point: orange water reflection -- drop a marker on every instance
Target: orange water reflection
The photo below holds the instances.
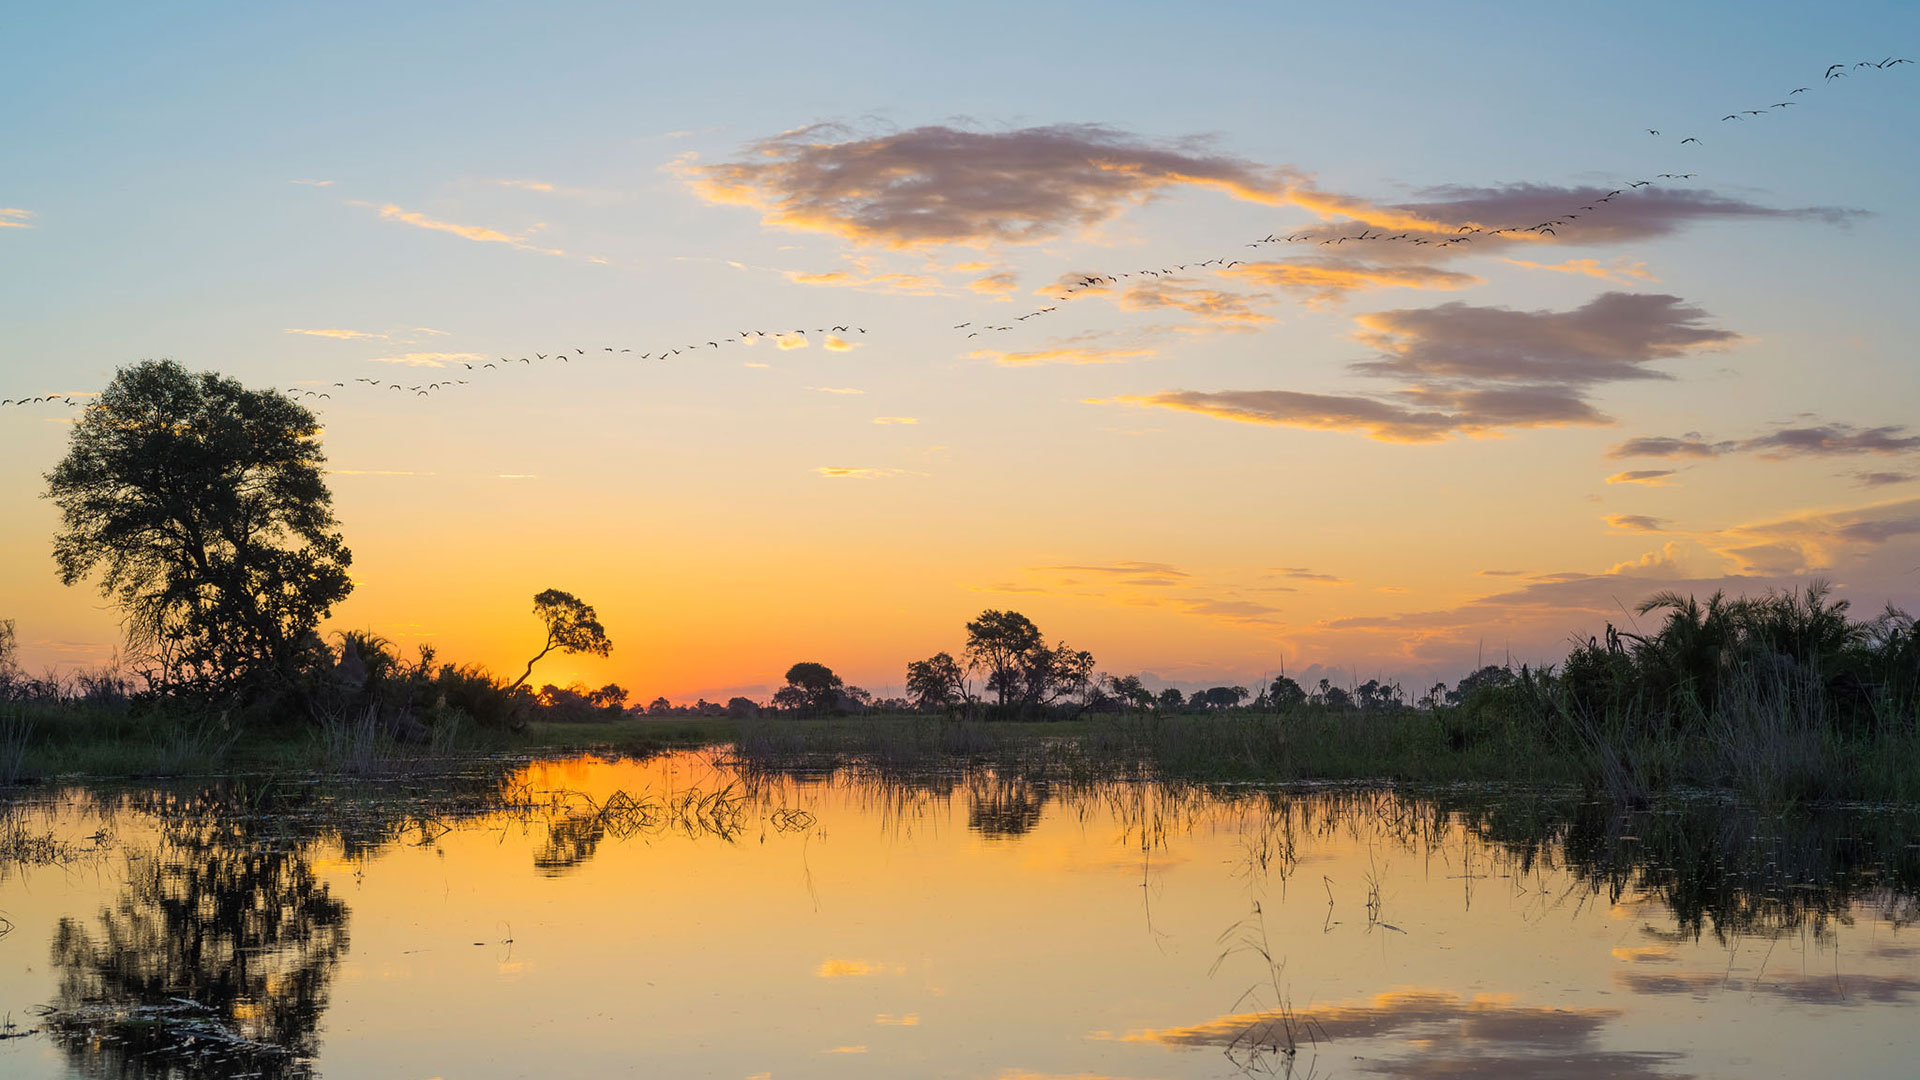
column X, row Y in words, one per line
column 674, row 917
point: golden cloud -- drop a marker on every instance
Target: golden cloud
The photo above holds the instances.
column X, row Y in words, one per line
column 476, row 233
column 12, row 217
column 1621, row 270
column 1328, row 280
column 1075, row 354
column 835, row 343
column 346, row 335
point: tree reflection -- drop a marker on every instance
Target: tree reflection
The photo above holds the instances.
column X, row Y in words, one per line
column 215, row 959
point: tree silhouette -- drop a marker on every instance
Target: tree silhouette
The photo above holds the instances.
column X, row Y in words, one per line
column 937, row 682
column 811, row 685
column 572, row 627
column 203, row 508
column 999, row 641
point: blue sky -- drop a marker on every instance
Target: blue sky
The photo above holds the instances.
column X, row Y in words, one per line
column 157, row 161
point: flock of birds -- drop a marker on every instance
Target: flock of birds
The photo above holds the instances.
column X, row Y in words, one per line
column 1437, row 236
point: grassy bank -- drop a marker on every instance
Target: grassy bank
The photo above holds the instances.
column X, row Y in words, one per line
column 1765, row 748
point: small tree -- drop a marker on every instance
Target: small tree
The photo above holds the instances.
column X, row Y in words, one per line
column 1285, row 695
column 1171, row 699
column 572, row 627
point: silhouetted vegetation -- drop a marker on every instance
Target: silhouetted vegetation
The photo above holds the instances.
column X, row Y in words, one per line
column 202, row 508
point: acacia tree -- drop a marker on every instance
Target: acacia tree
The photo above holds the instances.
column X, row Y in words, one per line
column 203, row 508
column 1021, row 670
column 572, row 627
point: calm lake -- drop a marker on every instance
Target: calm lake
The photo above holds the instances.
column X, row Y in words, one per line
column 673, row 918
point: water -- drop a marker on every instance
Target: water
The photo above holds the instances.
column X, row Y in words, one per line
column 670, row 918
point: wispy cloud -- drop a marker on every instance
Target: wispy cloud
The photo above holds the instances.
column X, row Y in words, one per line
column 1637, row 523
column 1883, row 479
column 1648, row 477
column 835, row 343
column 12, row 217
column 1301, row 573
column 1624, row 271
column 335, row 332
column 857, row 472
column 1070, row 354
column 1215, row 307
column 477, row 233
column 896, row 419
column 836, row 389
column 1324, row 281
column 313, row 183
column 427, row 359
column 1001, row 284
column 791, row 341
column 1827, row 439
column 524, row 185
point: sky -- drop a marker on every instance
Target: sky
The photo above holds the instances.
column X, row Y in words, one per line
column 1220, row 343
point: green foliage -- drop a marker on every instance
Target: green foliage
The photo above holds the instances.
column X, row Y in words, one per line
column 203, row 510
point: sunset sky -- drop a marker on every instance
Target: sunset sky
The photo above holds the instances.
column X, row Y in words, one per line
column 1352, row 459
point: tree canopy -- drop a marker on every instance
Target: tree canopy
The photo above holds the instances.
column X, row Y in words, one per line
column 572, row 627
column 203, row 508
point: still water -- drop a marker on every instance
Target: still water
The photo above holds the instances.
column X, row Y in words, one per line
column 674, row 918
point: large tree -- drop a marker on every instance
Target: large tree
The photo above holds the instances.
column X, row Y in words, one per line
column 1026, row 675
column 203, row 507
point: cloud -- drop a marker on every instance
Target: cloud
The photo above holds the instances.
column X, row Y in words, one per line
column 1477, row 370
column 1216, row 307
column 1649, row 477
column 1329, row 280
column 836, row 389
column 1665, row 447
column 1462, row 413
column 832, row 968
column 896, row 419
column 1824, row 439
column 1814, row 539
column 857, row 472
column 1882, row 479
column 1622, row 270
column 345, row 335
column 1301, row 573
column 476, row 233
column 525, row 185
column 427, row 359
column 1612, row 337
column 1634, row 214
column 12, row 217
column 376, row 472
column 999, row 284
column 865, row 278
column 790, row 341
column 1124, row 573
column 313, row 183
column 940, row 185
column 1637, row 523
column 839, row 344
column 1071, row 354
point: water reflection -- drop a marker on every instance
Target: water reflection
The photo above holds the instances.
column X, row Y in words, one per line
column 219, row 945
column 1450, row 1035
column 215, row 959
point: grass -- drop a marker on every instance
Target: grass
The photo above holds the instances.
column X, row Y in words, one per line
column 1765, row 741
